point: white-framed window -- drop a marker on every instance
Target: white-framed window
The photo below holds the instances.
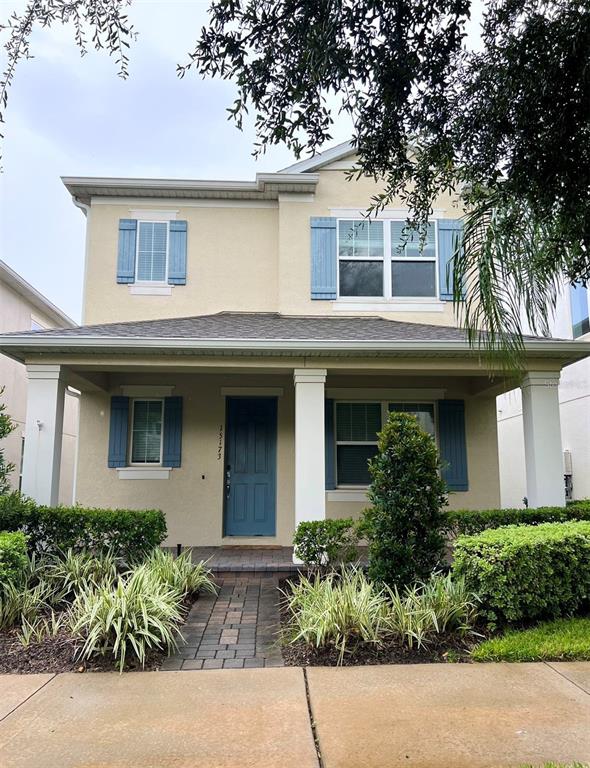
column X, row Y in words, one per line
column 356, row 428
column 147, row 419
column 372, row 262
column 151, row 261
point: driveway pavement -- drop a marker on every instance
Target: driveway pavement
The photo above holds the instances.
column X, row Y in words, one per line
column 422, row 716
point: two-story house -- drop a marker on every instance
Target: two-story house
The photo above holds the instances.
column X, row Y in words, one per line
column 23, row 308
column 243, row 343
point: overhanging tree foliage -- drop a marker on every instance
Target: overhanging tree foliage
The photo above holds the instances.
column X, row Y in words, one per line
column 506, row 126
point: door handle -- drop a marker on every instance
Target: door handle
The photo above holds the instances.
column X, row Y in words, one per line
column 227, row 481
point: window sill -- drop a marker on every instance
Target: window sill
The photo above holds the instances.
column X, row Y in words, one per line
column 386, row 305
column 347, row 494
column 144, row 473
column 162, row 289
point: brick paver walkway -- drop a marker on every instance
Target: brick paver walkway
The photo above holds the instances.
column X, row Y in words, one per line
column 235, row 629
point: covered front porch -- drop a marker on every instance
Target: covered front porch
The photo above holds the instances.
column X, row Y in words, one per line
column 238, row 440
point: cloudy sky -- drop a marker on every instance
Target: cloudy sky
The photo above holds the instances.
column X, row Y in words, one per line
column 69, row 115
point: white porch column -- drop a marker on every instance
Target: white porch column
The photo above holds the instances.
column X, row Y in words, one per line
column 542, row 439
column 310, row 477
column 43, row 432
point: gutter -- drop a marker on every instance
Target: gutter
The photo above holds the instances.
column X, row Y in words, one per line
column 570, row 350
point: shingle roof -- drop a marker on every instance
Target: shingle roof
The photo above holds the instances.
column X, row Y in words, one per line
column 264, row 326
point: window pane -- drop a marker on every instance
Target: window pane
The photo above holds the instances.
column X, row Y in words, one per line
column 579, row 305
column 360, row 239
column 151, row 252
column 357, row 422
column 413, row 278
column 423, row 412
column 361, row 278
column 413, row 248
column 351, row 464
column 147, row 431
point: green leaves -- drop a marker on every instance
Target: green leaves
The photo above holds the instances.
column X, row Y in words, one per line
column 527, row 572
column 406, row 523
column 13, row 557
column 6, row 427
column 324, row 544
column 345, row 609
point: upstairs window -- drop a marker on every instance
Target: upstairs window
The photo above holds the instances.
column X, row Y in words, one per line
column 146, row 431
column 380, row 259
column 152, row 252
column 579, row 307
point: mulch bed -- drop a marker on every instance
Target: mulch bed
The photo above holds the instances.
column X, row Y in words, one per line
column 58, row 654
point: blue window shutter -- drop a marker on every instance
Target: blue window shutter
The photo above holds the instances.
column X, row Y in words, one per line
column 330, row 445
column 119, row 431
column 172, row 444
column 452, row 443
column 126, row 257
column 449, row 236
column 323, row 258
column 177, row 253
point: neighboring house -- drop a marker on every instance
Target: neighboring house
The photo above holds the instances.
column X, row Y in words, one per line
column 22, row 308
column 244, row 342
column 571, row 320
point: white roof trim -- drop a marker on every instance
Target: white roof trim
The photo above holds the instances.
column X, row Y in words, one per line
column 86, row 187
column 339, row 152
column 569, row 350
column 18, row 284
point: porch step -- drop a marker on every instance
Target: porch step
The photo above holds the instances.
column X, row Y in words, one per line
column 251, row 560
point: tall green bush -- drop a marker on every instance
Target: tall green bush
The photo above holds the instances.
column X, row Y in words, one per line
column 128, row 533
column 406, row 524
column 525, row 572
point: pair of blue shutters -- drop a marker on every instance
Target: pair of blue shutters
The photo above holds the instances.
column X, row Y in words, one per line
column 119, row 432
column 451, row 440
column 324, row 258
column 128, row 247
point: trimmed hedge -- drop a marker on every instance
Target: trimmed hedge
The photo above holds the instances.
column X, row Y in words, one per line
column 471, row 521
column 13, row 556
column 527, row 572
column 326, row 543
column 130, row 533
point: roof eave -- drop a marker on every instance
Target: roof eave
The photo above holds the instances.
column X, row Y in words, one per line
column 84, row 188
column 19, row 346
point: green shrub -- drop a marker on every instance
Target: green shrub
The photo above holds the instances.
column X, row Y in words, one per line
column 559, row 640
column 72, row 572
column 338, row 610
column 138, row 613
column 405, row 526
column 419, row 613
column 180, row 572
column 527, row 572
column 129, row 533
column 346, row 608
column 23, row 602
column 13, row 557
column 471, row 521
column 326, row 543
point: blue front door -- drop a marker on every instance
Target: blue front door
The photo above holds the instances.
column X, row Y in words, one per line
column 250, row 466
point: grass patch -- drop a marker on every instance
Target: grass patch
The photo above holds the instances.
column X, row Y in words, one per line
column 559, row 640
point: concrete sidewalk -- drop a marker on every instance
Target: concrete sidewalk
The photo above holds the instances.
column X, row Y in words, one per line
column 426, row 716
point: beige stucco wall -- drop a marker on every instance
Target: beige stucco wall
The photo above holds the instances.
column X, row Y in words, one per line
column 16, row 314
column 253, row 258
column 193, row 504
